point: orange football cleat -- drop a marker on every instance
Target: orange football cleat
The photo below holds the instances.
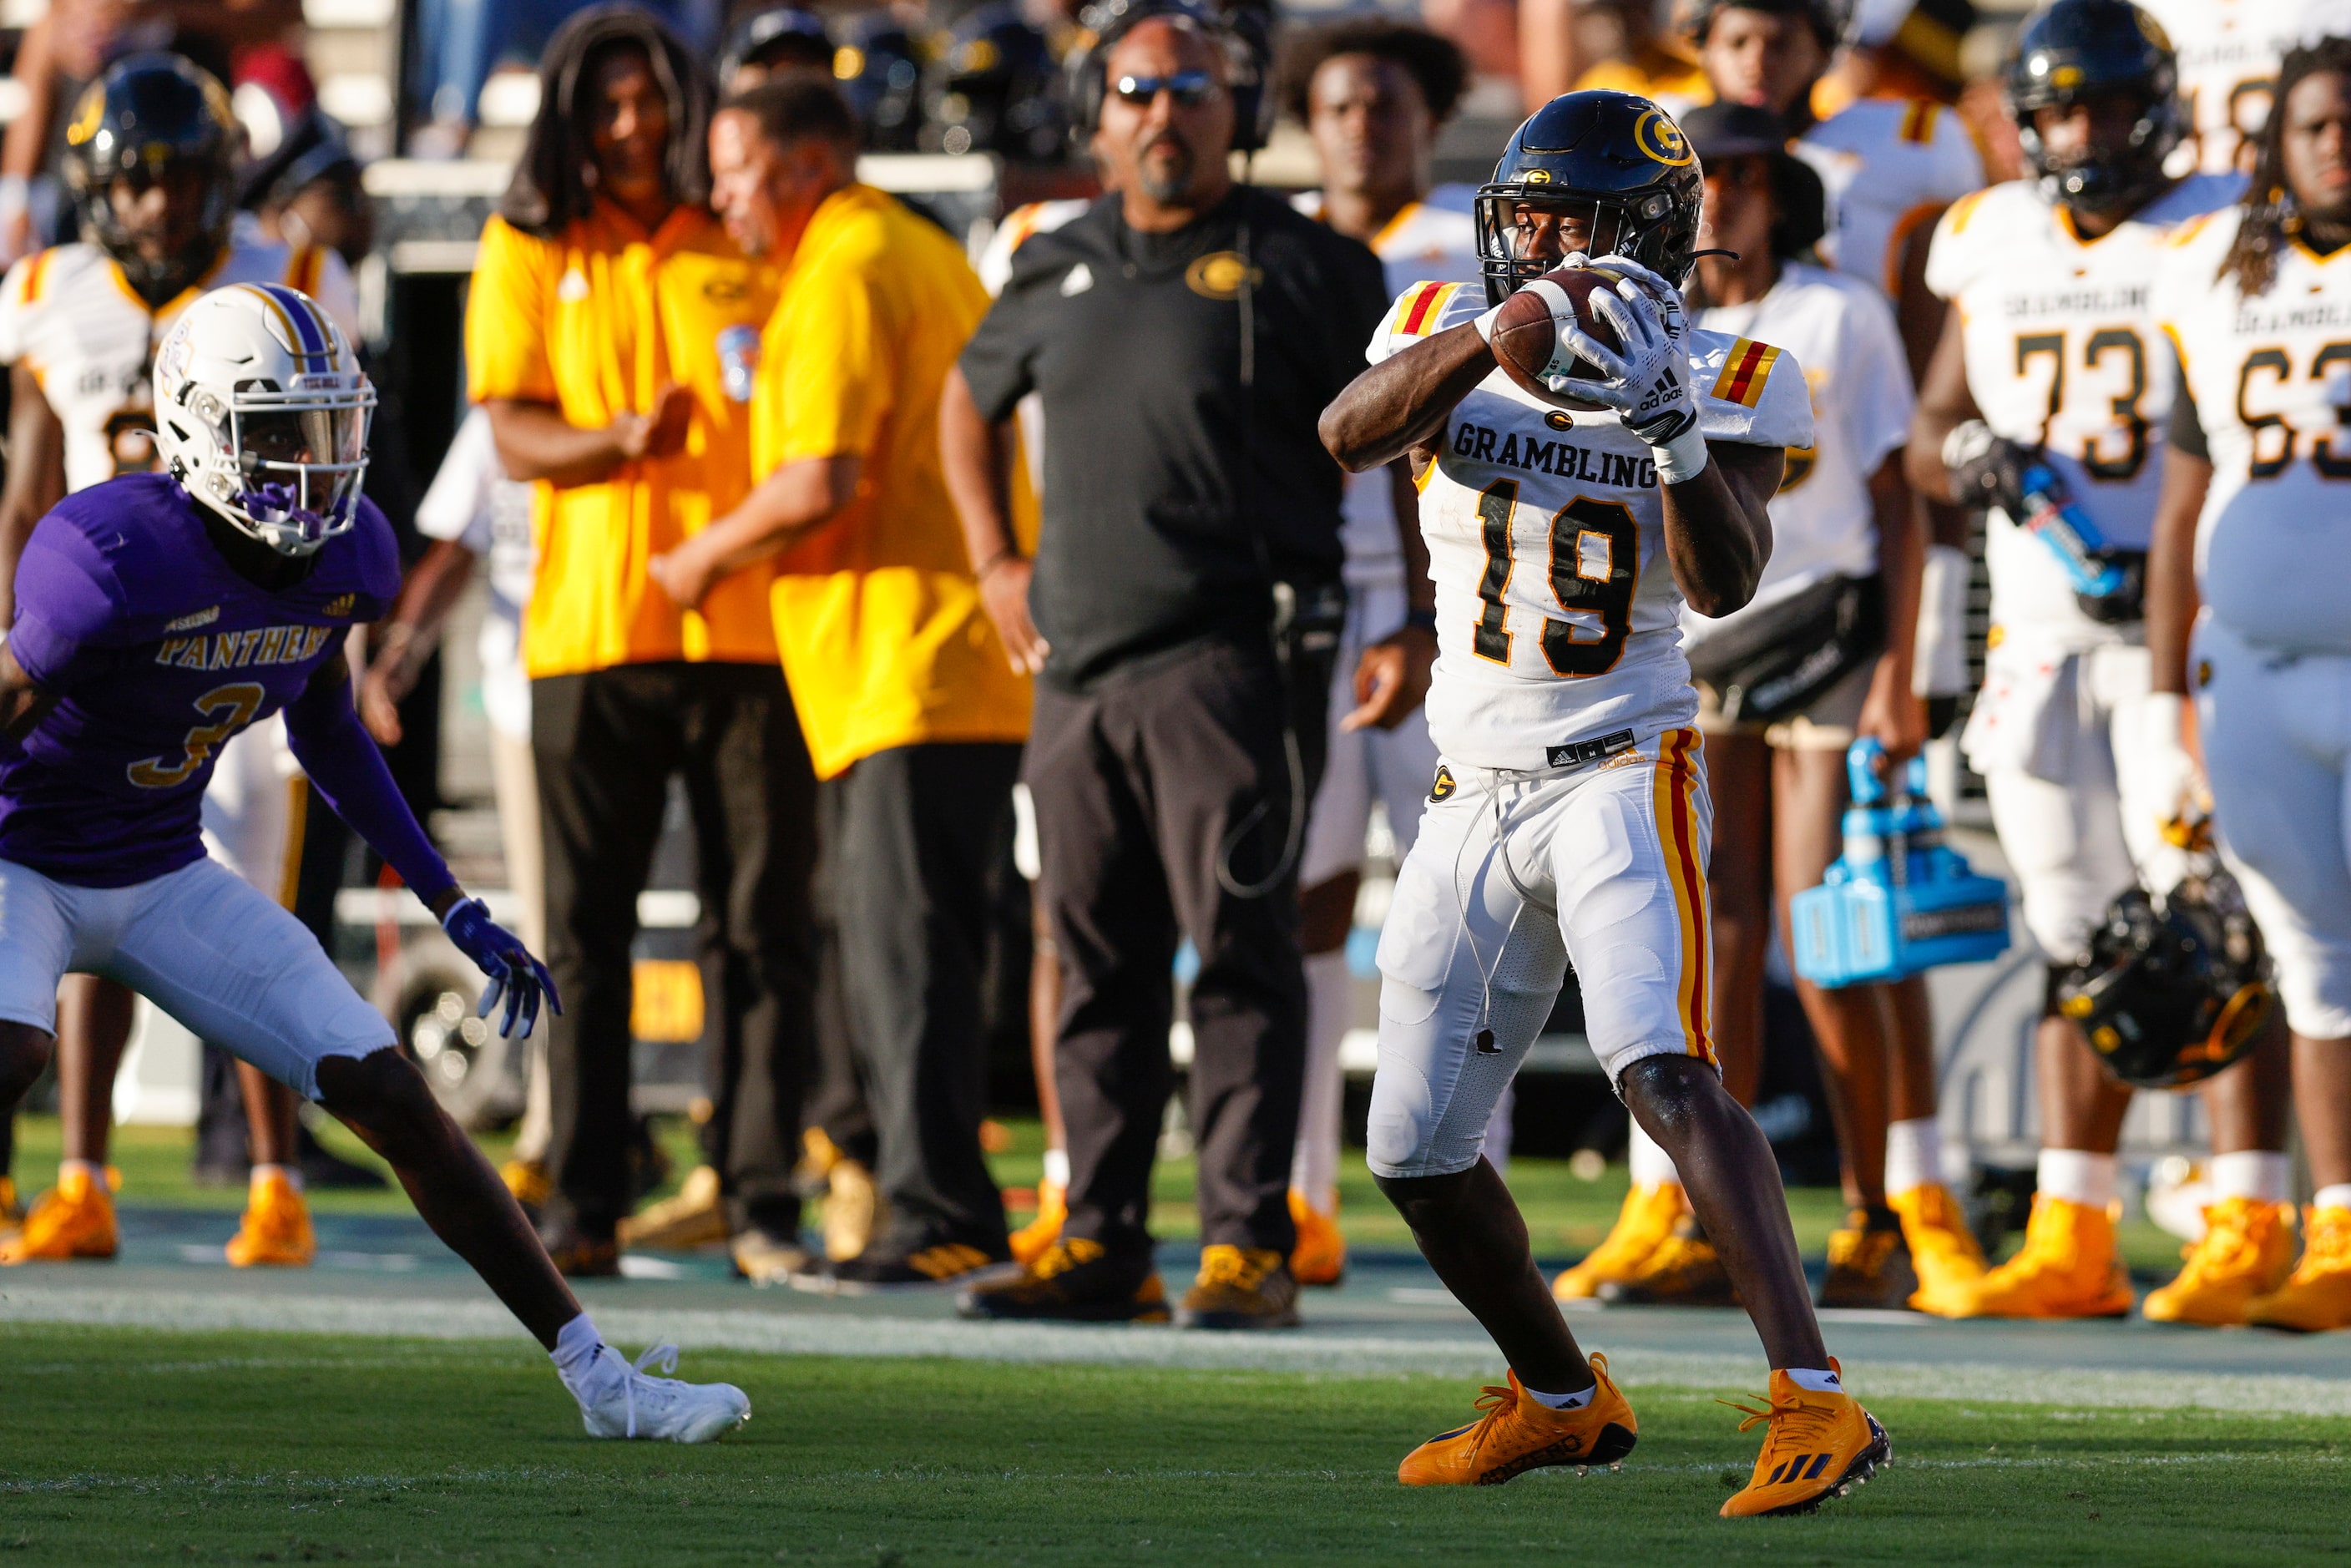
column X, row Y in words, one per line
column 1031, row 1240
column 2068, row 1269
column 2247, row 1251
column 73, row 1218
column 2317, row 1296
column 1518, row 1434
column 1943, row 1251
column 1815, row 1446
column 276, row 1228
column 1321, row 1256
column 1647, row 1217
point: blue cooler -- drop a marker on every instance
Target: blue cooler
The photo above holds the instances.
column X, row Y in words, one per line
column 1899, row 900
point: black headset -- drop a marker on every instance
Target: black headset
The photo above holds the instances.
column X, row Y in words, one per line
column 1242, row 32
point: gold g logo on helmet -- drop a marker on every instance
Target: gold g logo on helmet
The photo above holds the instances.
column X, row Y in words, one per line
column 1661, row 140
column 87, row 117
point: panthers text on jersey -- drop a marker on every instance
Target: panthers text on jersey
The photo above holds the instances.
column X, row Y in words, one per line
column 1430, row 241
column 1841, row 333
column 72, row 319
column 2062, row 351
column 2228, row 52
column 1888, row 164
column 1558, row 618
column 2271, row 377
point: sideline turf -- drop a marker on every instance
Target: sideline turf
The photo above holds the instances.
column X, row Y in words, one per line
column 130, row 1446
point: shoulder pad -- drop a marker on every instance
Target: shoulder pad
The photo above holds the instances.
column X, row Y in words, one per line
column 1424, row 310
column 1750, row 391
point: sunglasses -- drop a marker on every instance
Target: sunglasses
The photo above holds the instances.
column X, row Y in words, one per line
column 1189, row 89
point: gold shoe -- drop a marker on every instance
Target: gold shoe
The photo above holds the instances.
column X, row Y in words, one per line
column 1943, row 1251
column 1320, row 1258
column 695, row 1217
column 527, row 1179
column 73, row 1220
column 2317, row 1296
column 275, row 1231
column 1815, row 1446
column 2247, row 1252
column 1031, row 1241
column 1647, row 1217
column 1241, row 1288
column 854, row 1212
column 2068, row 1269
column 1518, row 1434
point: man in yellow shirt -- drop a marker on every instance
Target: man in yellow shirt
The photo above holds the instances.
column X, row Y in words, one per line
column 914, row 713
column 610, row 334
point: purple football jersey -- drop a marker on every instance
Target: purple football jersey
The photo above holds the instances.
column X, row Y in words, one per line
column 157, row 652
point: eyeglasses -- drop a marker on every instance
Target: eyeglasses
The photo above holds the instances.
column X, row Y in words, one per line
column 1188, row 88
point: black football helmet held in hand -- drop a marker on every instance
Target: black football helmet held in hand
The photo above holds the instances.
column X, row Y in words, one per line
column 2078, row 49
column 1595, row 154
column 148, row 119
column 2170, row 994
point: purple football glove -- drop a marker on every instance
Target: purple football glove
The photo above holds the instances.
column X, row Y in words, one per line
column 514, row 973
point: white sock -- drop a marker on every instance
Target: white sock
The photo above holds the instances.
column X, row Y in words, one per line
column 1561, row 1400
column 1651, row 1164
column 2262, row 1174
column 2077, row 1176
column 2335, row 1196
column 1822, row 1380
column 1914, row 1155
column 578, row 1352
column 261, row 1174
column 1057, row 1168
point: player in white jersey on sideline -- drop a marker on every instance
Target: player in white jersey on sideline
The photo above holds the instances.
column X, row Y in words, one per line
column 2054, row 359
column 2256, row 493
column 1839, row 598
column 1372, row 93
column 80, row 322
column 2228, row 52
column 1568, row 819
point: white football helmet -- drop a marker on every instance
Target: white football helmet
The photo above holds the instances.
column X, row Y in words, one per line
column 262, row 414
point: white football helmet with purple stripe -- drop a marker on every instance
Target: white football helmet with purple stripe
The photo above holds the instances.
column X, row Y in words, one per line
column 262, row 414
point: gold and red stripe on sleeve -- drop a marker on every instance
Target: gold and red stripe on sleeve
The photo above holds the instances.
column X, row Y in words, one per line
column 1745, row 370
column 36, row 275
column 1423, row 308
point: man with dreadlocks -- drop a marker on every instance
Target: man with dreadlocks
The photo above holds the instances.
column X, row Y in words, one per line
column 2257, row 302
column 612, row 335
column 2049, row 365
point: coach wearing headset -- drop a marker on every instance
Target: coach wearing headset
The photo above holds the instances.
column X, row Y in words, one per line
column 1180, row 614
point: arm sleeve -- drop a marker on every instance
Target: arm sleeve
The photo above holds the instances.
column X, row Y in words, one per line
column 997, row 360
column 67, row 607
column 506, row 322
column 2185, row 430
column 349, row 772
column 839, row 375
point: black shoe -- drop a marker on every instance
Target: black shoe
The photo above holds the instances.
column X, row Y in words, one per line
column 1869, row 1263
column 1683, row 1272
column 579, row 1256
column 894, row 1268
column 1075, row 1281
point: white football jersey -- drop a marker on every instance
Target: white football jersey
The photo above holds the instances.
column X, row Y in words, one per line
column 2062, row 349
column 1842, row 332
column 1558, row 622
column 2272, row 380
column 1432, row 241
column 69, row 315
column 1889, row 164
column 2228, row 52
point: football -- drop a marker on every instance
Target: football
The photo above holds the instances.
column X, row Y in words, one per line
column 1523, row 336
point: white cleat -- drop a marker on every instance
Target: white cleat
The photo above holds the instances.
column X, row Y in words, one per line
column 634, row 1404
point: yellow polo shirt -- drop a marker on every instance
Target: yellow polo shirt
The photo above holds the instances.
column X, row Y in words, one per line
column 595, row 321
column 883, row 640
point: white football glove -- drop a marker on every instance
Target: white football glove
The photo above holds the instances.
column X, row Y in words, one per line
column 2166, row 775
column 1648, row 382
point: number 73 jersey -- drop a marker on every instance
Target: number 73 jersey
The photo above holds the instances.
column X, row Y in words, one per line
column 2062, row 351
column 1558, row 624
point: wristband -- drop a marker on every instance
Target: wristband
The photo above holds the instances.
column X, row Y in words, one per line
column 1683, row 458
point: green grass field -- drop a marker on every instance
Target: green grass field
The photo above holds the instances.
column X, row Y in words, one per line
column 126, row 1447
column 1566, row 1215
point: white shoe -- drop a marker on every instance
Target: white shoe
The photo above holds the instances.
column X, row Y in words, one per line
column 633, row 1403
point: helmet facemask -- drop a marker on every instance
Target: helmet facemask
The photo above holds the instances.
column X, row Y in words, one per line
column 2101, row 179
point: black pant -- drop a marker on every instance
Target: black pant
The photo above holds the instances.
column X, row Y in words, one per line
column 1156, row 797
column 606, row 744
column 913, row 837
